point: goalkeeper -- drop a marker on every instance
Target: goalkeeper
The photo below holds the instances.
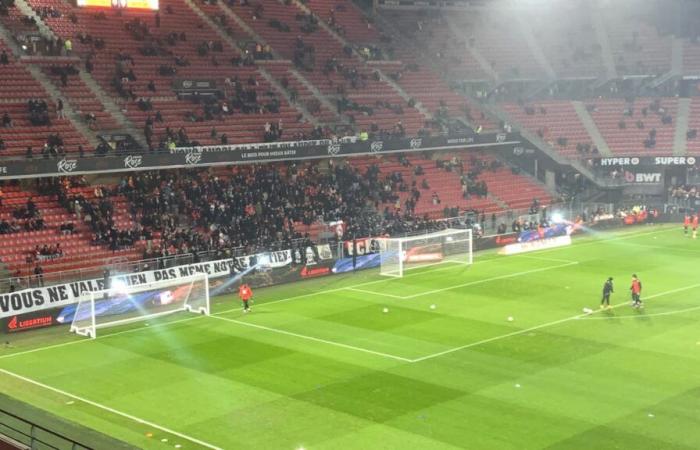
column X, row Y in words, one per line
column 245, row 293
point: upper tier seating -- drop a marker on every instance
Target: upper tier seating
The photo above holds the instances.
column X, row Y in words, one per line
column 175, row 16
column 637, row 47
column 639, row 118
column 16, row 89
column 346, row 18
column 694, row 124
column 559, row 120
column 608, row 115
column 565, row 33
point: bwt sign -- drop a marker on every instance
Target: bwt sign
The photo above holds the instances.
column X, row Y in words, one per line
column 643, row 178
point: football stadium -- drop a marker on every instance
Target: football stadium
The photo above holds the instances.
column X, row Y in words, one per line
column 349, row 224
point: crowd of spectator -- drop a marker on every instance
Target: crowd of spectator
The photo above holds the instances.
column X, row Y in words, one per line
column 684, row 194
column 38, row 112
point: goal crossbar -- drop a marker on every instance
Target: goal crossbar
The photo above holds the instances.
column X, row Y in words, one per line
column 122, row 305
column 412, row 252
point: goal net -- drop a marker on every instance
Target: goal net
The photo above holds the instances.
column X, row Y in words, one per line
column 400, row 254
column 123, row 304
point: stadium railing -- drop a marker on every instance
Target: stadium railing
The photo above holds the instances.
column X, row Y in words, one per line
column 19, row 428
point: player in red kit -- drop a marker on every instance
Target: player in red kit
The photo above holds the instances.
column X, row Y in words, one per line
column 636, row 290
column 686, row 223
column 245, row 293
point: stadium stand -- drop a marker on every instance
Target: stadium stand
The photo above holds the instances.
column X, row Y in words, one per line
column 32, row 220
column 637, row 47
column 553, row 120
column 694, row 124
column 633, row 128
column 43, row 131
column 154, row 53
column 159, row 214
column 323, row 68
column 578, row 55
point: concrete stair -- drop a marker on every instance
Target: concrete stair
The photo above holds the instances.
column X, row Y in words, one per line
column 398, row 89
column 592, row 129
column 604, row 42
column 535, row 48
column 274, row 83
column 114, row 109
column 217, row 29
column 27, row 10
column 475, row 53
column 69, row 111
column 680, row 138
column 314, row 90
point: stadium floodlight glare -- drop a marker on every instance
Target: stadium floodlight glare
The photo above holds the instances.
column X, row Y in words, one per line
column 119, row 286
column 399, row 254
column 263, row 260
column 122, row 304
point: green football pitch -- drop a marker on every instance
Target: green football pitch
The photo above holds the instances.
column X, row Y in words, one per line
column 321, row 364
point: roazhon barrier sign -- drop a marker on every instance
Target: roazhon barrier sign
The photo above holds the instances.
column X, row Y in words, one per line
column 216, row 155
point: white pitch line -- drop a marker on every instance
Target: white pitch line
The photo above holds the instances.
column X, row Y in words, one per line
column 328, row 291
column 486, row 280
column 353, row 286
column 642, row 315
column 540, row 258
column 111, row 410
column 677, row 249
column 605, row 241
column 544, row 325
column 315, row 339
column 133, row 330
column 364, row 291
column 118, row 333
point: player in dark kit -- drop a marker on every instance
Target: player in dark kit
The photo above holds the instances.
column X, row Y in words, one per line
column 607, row 290
column 636, row 290
column 245, row 293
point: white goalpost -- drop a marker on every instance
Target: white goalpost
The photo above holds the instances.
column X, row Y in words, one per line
column 412, row 252
column 121, row 304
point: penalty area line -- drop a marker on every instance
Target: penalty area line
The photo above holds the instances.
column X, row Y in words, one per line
column 546, row 325
column 110, row 410
column 315, row 339
column 487, row 280
column 380, row 294
column 103, row 336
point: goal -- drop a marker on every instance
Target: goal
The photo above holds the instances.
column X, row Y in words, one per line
column 400, row 254
column 123, row 304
